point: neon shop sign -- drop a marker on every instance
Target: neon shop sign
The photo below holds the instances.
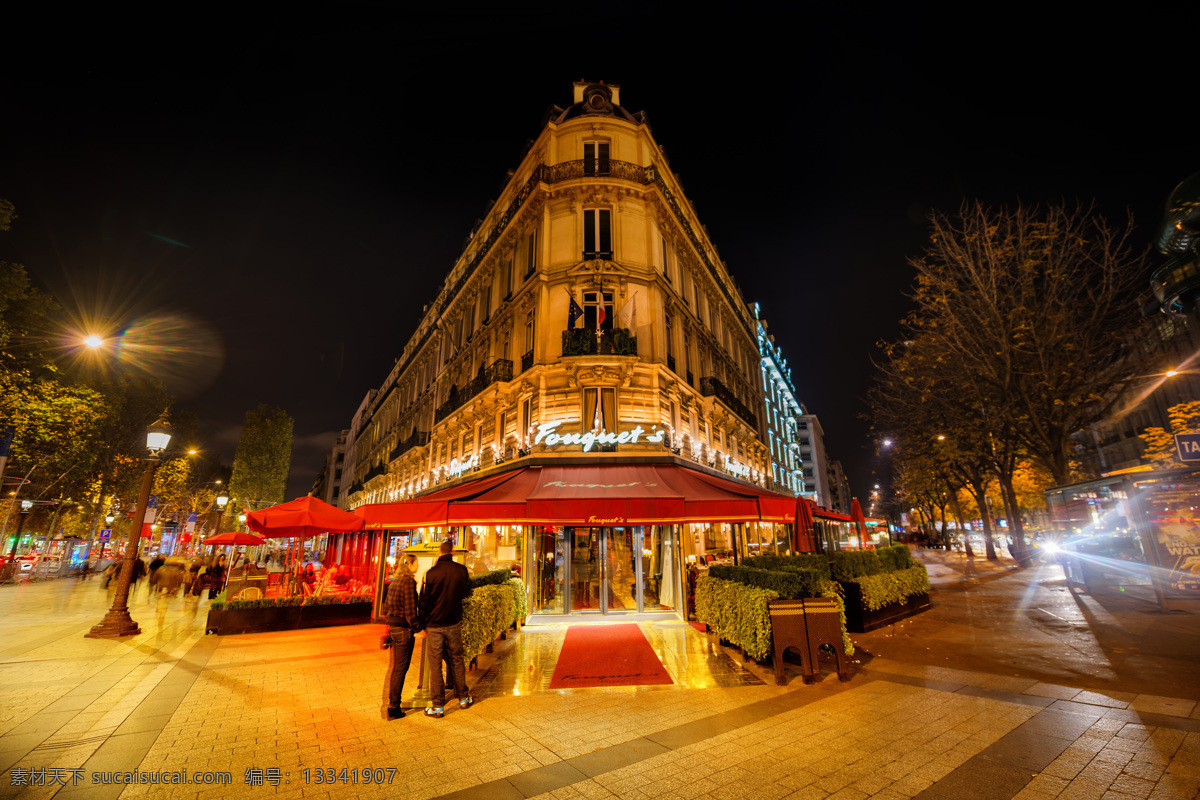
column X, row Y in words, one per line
column 547, row 434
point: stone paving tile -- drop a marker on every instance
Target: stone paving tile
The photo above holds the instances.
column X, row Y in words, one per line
column 1163, row 705
column 270, row 700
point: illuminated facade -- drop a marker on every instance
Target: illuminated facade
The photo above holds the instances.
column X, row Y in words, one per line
column 783, row 414
column 591, row 217
column 589, row 324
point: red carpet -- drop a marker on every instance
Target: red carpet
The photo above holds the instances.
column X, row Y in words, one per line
column 700, row 626
column 607, row 655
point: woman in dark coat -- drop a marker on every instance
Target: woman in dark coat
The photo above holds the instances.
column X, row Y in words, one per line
column 216, row 577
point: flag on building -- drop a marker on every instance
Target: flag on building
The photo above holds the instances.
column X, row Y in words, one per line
column 575, row 313
column 600, row 315
column 628, row 314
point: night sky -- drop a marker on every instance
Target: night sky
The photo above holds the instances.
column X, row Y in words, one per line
column 279, row 198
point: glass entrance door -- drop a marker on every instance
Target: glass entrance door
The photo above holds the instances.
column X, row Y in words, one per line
column 594, row 570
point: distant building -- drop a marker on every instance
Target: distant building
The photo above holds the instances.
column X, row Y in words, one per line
column 328, row 485
column 814, row 463
column 357, row 422
column 783, row 413
column 839, row 488
column 1114, row 443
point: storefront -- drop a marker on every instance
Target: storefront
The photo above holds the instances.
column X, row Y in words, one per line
column 599, row 539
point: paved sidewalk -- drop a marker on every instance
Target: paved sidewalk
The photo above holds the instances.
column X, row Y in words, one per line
column 306, row 702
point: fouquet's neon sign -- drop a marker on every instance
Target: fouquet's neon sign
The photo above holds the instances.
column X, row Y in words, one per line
column 546, row 435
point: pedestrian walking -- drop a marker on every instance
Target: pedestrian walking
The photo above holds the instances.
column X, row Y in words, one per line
column 447, row 585
column 139, row 572
column 402, row 613
column 216, row 577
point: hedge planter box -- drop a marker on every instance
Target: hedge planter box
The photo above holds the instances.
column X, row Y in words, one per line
column 860, row 620
column 342, row 614
column 285, row 618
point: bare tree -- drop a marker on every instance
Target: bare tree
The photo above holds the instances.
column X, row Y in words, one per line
column 1036, row 308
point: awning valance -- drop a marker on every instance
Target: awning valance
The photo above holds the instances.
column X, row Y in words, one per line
column 591, row 494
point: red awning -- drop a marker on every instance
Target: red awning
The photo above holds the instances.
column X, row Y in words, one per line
column 610, row 494
column 593, row 494
column 428, row 510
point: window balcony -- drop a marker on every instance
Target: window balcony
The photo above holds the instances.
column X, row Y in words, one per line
column 416, row 439
column 616, row 342
column 527, row 361
column 592, row 168
column 501, row 370
column 671, row 363
column 711, row 387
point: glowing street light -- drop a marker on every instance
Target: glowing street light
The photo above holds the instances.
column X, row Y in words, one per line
column 94, row 342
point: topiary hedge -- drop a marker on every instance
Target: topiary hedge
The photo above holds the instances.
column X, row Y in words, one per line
column 736, row 609
column 737, row 613
column 218, row 604
column 850, row 565
column 488, row 612
column 494, row 578
column 888, row 588
column 787, row 584
column 803, row 561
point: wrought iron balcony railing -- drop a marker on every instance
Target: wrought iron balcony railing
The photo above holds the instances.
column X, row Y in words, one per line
column 527, row 361
column 711, row 387
column 500, row 371
column 616, row 342
column 671, row 363
column 416, row 439
column 595, row 167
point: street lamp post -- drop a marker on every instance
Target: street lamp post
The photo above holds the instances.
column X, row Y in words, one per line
column 117, row 622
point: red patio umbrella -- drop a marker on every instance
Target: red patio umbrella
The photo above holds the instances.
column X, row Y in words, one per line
column 304, row 516
column 805, row 540
column 234, row 537
column 857, row 517
column 301, row 518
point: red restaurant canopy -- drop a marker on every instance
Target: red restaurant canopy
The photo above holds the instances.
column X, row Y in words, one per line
column 304, row 516
column 234, row 537
column 593, row 494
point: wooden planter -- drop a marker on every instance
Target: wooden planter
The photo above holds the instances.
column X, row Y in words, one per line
column 285, row 618
column 860, row 620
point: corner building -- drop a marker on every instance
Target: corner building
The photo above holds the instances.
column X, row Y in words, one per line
column 582, row 401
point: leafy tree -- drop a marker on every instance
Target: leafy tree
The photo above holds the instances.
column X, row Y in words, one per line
column 263, row 458
column 1160, row 445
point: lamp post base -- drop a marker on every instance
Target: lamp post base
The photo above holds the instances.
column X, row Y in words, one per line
column 116, row 623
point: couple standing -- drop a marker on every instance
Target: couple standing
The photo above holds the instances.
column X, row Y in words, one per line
column 439, row 614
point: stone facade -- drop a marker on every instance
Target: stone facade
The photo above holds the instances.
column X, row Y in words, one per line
column 591, row 224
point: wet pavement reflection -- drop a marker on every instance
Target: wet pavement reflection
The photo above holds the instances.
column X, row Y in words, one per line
column 525, row 664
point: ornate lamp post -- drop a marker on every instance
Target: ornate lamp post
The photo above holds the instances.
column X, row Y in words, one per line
column 117, row 622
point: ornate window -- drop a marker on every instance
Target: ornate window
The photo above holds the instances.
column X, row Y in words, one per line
column 598, row 310
column 531, row 253
column 595, row 158
column 599, row 409
column 597, row 233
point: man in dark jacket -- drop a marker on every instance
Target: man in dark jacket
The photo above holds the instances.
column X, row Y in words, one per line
column 447, row 584
column 401, row 611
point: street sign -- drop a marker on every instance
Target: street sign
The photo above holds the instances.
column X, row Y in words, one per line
column 105, row 533
column 1188, row 446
